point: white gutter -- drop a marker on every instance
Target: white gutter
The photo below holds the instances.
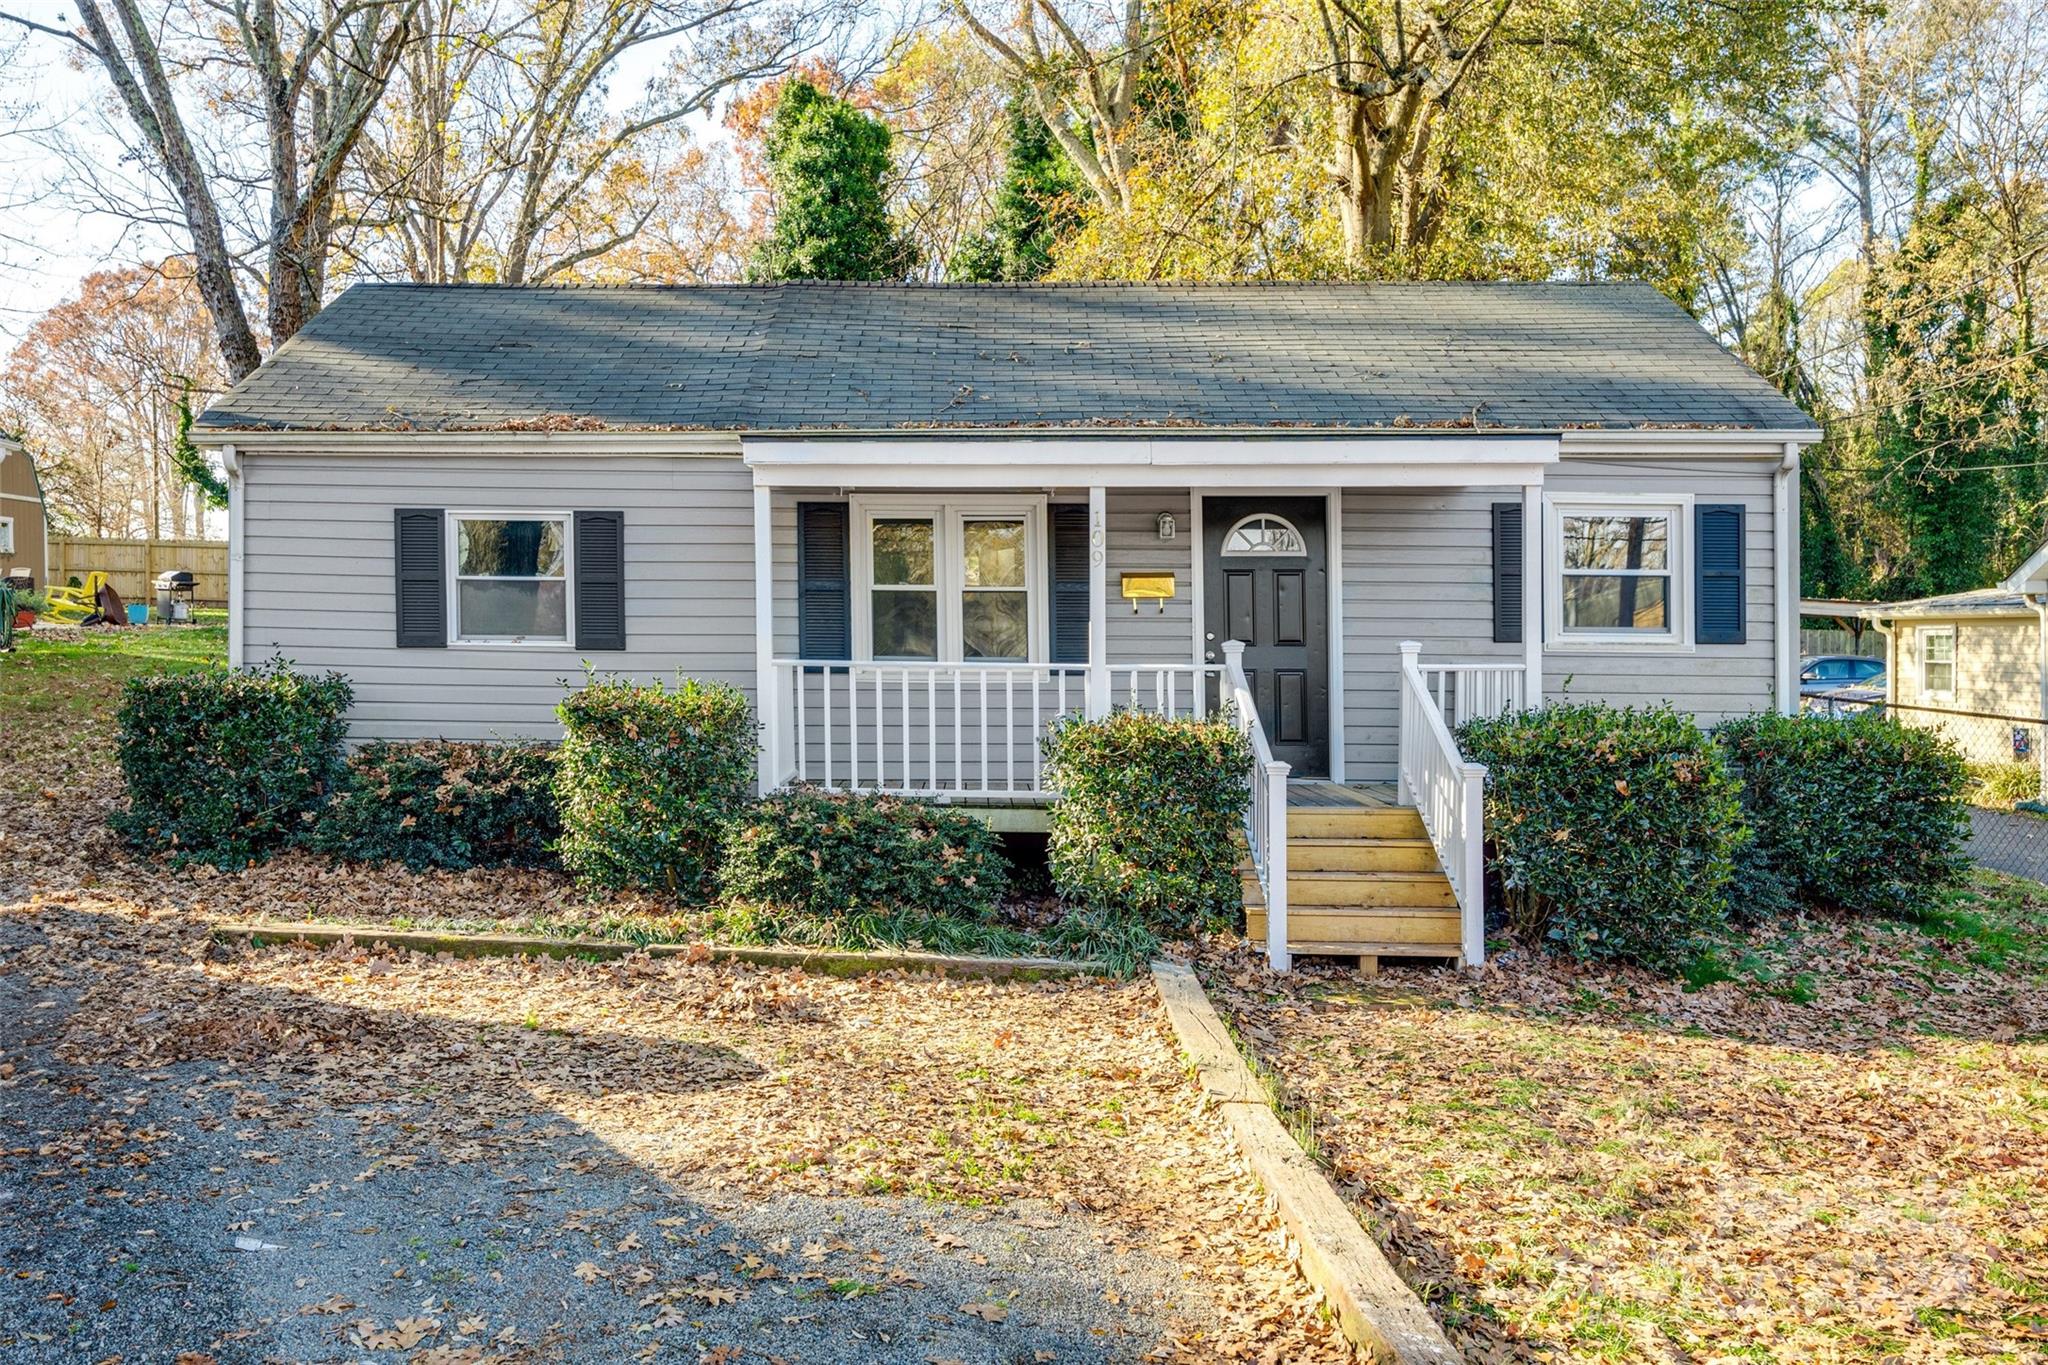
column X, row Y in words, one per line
column 1785, row 576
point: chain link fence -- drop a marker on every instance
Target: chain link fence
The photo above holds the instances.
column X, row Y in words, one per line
column 2008, row 758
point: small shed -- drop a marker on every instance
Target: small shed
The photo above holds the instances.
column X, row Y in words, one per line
column 24, row 520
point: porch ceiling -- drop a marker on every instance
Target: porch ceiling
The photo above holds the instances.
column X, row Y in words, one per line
column 1144, row 461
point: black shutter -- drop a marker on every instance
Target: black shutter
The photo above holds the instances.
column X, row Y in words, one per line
column 1070, row 605
column 600, row 580
column 824, row 587
column 421, row 556
column 1719, row 587
column 1507, row 573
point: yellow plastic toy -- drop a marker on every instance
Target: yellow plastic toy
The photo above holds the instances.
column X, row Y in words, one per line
column 69, row 606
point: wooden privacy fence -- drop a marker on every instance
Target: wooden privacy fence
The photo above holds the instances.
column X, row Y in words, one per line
column 133, row 565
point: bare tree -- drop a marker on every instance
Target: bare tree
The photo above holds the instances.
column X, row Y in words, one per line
column 1081, row 64
column 498, row 155
column 311, row 76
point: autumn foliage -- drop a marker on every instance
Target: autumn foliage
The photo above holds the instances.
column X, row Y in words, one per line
column 227, row 766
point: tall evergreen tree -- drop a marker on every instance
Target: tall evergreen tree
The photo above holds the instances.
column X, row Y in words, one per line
column 1037, row 201
column 828, row 165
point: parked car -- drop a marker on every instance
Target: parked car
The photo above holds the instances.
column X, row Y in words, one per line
column 1850, row 700
column 1833, row 672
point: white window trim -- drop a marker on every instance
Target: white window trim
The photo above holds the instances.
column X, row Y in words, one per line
column 456, row 639
column 1676, row 638
column 6, row 535
column 949, row 515
column 1921, row 635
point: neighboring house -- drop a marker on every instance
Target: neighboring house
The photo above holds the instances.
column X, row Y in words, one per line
column 1978, row 652
column 24, row 521
column 916, row 523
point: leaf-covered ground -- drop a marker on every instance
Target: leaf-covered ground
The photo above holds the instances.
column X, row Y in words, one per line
column 1841, row 1153
column 226, row 1155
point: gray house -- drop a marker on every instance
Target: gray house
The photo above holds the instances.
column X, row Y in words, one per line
column 918, row 523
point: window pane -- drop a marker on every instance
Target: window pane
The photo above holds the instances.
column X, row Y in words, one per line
column 536, row 609
column 1616, row 542
column 1940, row 677
column 512, row 549
column 994, row 553
column 1614, row 602
column 995, row 625
column 1941, row 648
column 903, row 552
column 906, row 624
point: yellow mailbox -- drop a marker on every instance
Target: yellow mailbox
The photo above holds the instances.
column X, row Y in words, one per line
column 1142, row 587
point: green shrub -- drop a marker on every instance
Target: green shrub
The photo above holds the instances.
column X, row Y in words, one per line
column 444, row 805
column 2003, row 785
column 1147, row 813
column 1861, row 813
column 1614, row 832
column 831, row 854
column 646, row 780
column 226, row 766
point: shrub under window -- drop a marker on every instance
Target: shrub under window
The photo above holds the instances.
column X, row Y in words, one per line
column 1860, row 812
column 830, row 854
column 226, row 766
column 1614, row 833
column 444, row 805
column 647, row 779
column 1147, row 817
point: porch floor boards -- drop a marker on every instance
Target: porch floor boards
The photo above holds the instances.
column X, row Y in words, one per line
column 1314, row 795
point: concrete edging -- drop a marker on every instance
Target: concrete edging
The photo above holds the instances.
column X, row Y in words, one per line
column 825, row 961
column 1374, row 1305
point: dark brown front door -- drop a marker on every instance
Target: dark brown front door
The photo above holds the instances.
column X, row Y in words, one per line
column 1266, row 561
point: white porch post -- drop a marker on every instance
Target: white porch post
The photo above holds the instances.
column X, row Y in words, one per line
column 1098, row 603
column 1533, row 569
column 767, row 691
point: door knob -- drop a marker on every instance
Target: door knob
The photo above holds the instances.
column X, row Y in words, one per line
column 1209, row 655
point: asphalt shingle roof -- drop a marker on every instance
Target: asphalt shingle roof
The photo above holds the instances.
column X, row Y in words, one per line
column 1539, row 357
column 1975, row 602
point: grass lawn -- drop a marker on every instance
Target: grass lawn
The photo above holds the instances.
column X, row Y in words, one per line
column 1838, row 1152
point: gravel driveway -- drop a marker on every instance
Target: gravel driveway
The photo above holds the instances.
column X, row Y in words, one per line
column 234, row 1158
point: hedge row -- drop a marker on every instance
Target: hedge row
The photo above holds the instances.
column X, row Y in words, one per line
column 1634, row 834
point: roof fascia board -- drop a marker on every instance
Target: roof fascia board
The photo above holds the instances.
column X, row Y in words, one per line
column 684, row 444
column 1672, row 443
column 2029, row 577
column 1149, row 461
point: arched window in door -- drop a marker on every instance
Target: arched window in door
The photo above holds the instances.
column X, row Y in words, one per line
column 1262, row 533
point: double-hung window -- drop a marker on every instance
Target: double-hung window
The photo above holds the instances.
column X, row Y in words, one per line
column 1938, row 661
column 511, row 578
column 1617, row 572
column 949, row 581
column 6, row 535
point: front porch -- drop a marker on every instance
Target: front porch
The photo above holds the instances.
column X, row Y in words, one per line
column 921, row 632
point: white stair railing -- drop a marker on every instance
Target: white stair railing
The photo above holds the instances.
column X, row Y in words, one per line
column 1265, row 820
column 1448, row 792
column 1478, row 691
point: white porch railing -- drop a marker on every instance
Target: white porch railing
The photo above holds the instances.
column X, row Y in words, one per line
column 1265, row 820
column 969, row 730
column 1474, row 691
column 1446, row 790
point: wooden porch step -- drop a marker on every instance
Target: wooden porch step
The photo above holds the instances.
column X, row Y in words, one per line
column 1374, row 949
column 1362, row 855
column 1423, row 928
column 1355, row 822
column 1365, row 890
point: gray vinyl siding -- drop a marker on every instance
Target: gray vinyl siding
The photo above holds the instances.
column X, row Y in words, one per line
column 1712, row 682
column 1148, row 635
column 319, row 581
column 1419, row 566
